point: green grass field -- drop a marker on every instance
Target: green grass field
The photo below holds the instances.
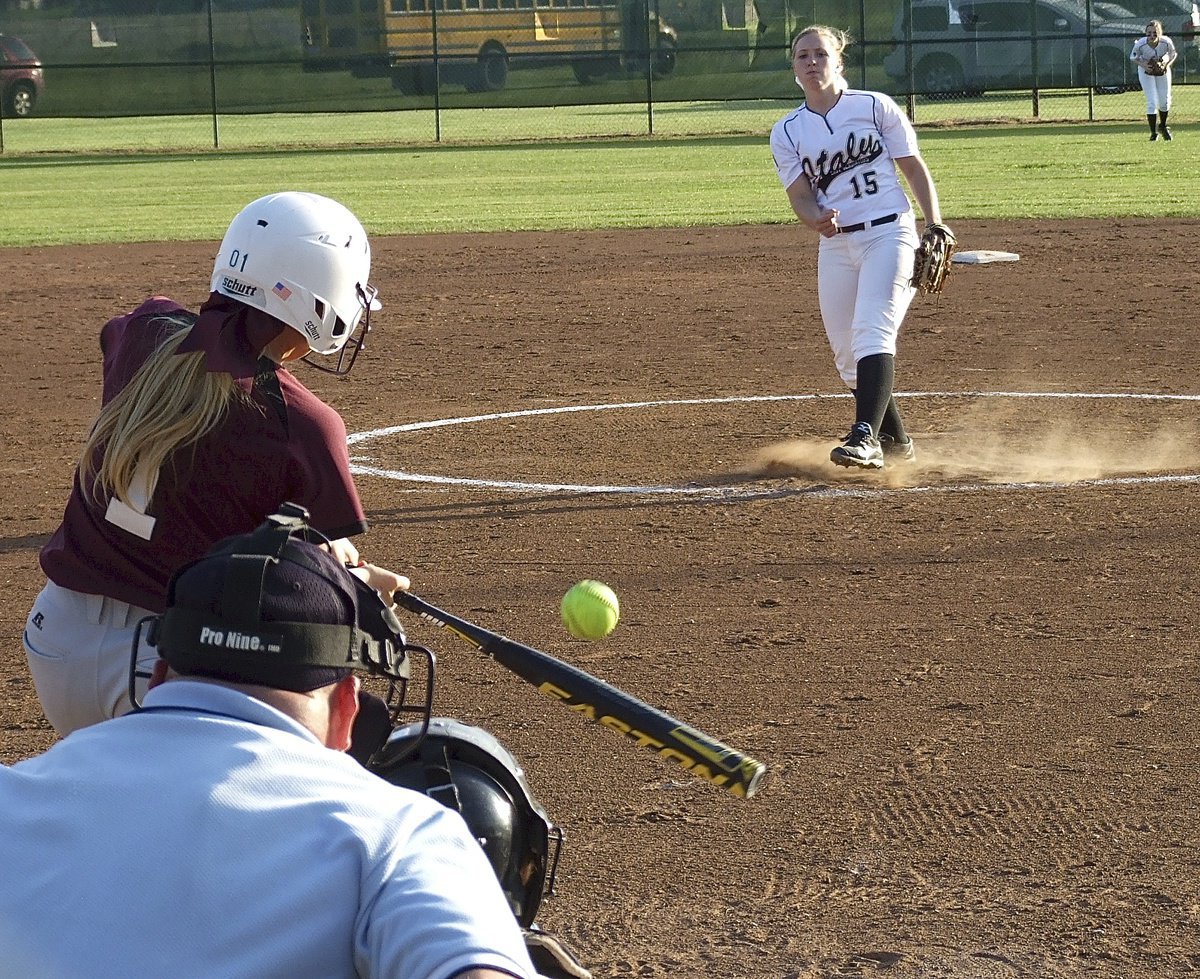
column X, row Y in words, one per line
column 1049, row 170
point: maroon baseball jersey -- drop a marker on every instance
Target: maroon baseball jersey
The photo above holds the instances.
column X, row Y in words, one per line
column 286, row 445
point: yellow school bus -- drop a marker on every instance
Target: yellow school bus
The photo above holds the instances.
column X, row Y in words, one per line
column 475, row 42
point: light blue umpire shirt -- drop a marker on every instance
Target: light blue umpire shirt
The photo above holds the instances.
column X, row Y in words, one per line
column 212, row 835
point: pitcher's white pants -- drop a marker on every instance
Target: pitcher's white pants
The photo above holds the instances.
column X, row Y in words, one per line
column 863, row 285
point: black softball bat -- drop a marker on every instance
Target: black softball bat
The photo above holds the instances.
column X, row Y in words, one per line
column 582, row 693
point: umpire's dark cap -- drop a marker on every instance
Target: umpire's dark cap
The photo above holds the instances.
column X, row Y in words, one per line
column 288, row 620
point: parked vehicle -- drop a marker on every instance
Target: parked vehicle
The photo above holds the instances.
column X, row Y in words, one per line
column 1180, row 18
column 475, row 42
column 1111, row 11
column 21, row 79
column 971, row 46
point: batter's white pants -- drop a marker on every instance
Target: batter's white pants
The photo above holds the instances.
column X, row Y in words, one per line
column 79, row 648
column 1157, row 89
column 863, row 285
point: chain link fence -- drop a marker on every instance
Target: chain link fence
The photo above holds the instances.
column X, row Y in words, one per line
column 231, row 74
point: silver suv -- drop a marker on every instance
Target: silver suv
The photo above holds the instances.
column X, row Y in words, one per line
column 969, row 46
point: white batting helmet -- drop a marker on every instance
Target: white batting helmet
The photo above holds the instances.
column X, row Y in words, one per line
column 303, row 259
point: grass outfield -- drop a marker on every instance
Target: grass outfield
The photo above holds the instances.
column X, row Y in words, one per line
column 1046, row 170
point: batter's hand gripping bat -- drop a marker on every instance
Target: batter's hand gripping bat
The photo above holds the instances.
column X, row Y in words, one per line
column 585, row 694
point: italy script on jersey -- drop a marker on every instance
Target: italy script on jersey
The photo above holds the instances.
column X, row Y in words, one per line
column 860, row 150
column 847, row 155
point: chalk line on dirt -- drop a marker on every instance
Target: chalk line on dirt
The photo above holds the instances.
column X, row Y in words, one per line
column 361, row 465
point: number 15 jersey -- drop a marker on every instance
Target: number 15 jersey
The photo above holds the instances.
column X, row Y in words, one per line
column 848, row 154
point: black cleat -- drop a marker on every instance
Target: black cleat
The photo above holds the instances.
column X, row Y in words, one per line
column 860, row 449
column 894, row 451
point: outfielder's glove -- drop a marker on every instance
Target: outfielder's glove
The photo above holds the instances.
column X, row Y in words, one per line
column 1155, row 67
column 931, row 266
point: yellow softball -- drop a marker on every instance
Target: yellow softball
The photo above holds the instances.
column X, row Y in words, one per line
column 590, row 610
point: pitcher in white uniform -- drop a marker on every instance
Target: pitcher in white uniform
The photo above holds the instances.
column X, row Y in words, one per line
column 837, row 155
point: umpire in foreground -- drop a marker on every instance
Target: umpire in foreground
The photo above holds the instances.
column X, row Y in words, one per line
column 221, row 830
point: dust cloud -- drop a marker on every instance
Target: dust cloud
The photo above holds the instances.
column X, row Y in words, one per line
column 998, row 445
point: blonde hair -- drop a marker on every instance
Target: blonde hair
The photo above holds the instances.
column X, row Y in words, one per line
column 838, row 40
column 1157, row 24
column 170, row 403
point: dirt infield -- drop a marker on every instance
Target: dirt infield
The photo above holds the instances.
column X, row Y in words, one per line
column 975, row 683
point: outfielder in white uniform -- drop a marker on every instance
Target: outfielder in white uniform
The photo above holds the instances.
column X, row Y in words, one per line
column 1155, row 47
column 837, row 156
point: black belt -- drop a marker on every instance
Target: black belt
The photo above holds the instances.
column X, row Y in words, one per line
column 863, row 225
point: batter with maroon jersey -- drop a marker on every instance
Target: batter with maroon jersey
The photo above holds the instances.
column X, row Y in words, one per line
column 202, row 434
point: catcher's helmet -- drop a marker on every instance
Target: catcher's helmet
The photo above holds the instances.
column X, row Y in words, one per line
column 466, row 769
column 303, row 259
